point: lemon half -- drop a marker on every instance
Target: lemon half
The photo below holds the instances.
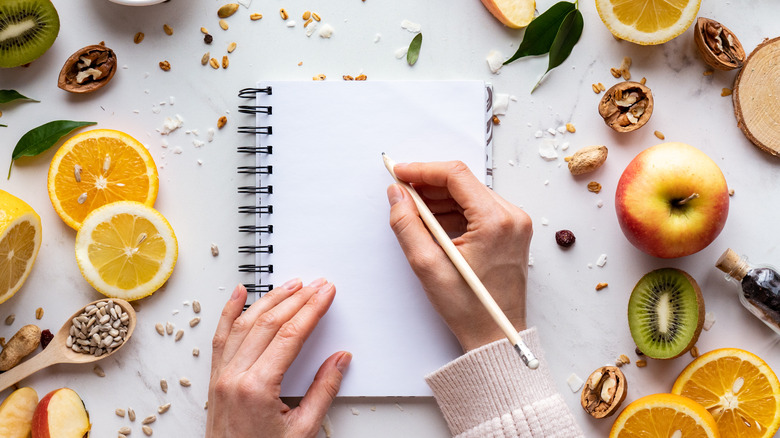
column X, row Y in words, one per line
column 20, row 239
column 647, row 22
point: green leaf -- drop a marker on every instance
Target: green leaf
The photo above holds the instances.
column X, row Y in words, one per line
column 568, row 35
column 11, row 95
column 414, row 49
column 42, row 138
column 540, row 34
column 4, row 126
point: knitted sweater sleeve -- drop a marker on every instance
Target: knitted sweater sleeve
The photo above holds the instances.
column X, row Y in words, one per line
column 489, row 392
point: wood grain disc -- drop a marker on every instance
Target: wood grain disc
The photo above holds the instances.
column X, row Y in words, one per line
column 757, row 97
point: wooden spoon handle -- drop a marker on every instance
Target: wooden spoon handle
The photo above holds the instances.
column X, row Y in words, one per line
column 41, row 360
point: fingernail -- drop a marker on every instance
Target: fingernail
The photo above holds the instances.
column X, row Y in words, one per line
column 292, row 284
column 394, row 194
column 236, row 293
column 318, row 282
column 325, row 289
column 344, row 361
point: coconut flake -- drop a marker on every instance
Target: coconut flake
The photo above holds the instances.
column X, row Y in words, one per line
column 601, row 261
column 500, row 104
column 411, row 26
column 326, row 31
column 575, row 382
column 547, row 150
column 377, row 37
column 400, row 53
column 495, row 61
column 171, row 124
column 709, row 320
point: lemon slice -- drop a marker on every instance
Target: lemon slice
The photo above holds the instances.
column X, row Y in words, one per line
column 647, row 22
column 20, row 239
column 97, row 167
column 126, row 250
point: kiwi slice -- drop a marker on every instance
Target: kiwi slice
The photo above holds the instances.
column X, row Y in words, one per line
column 665, row 313
column 27, row 29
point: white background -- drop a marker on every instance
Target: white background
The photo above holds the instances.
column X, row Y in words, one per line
column 580, row 328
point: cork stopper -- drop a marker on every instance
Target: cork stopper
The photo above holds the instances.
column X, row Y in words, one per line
column 732, row 264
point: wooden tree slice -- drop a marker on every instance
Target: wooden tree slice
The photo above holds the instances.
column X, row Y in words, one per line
column 757, row 97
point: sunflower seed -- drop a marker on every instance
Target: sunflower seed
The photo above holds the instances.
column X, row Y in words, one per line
column 196, row 351
column 205, row 59
column 167, row 29
column 196, row 306
column 120, row 412
column 147, row 430
column 185, row 382
column 179, row 335
column 131, row 414
column 194, row 321
column 223, row 24
column 77, row 173
column 164, row 408
column 231, row 47
column 125, row 430
column 98, row 371
column 39, row 313
column 10, row 319
column 169, row 328
column 149, row 420
column 121, row 435
column 138, row 37
column 164, row 385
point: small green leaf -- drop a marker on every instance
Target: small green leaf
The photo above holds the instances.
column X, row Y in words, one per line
column 42, row 138
column 4, row 126
column 540, row 34
column 11, row 95
column 568, row 35
column 414, row 49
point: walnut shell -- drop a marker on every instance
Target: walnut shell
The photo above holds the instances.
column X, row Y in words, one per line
column 718, row 45
column 626, row 106
column 604, row 392
column 587, row 159
column 87, row 70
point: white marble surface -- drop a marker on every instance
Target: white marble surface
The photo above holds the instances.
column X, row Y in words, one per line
column 581, row 328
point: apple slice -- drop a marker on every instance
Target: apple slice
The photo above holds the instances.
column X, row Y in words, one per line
column 513, row 13
column 16, row 413
column 61, row 414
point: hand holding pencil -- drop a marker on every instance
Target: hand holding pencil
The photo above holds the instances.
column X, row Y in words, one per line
column 491, row 233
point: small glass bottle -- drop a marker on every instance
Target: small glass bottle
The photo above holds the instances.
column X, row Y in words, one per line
column 760, row 287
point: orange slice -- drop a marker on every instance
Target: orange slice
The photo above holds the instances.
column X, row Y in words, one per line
column 126, row 250
column 664, row 416
column 20, row 240
column 98, row 167
column 738, row 388
column 647, row 21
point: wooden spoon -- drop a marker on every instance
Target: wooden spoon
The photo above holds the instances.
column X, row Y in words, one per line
column 58, row 352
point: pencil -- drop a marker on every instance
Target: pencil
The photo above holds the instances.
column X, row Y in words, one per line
column 465, row 270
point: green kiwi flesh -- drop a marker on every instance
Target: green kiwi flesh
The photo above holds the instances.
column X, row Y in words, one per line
column 27, row 29
column 665, row 313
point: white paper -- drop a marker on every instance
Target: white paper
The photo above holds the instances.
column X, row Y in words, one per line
column 331, row 218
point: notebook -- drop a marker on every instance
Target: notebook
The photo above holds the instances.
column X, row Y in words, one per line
column 314, row 186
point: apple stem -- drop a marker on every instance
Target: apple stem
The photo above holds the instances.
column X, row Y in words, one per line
column 689, row 198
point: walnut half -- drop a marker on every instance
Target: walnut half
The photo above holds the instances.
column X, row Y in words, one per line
column 88, row 69
column 626, row 106
column 604, row 391
column 719, row 47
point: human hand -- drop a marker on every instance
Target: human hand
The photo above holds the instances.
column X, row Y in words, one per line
column 252, row 351
column 493, row 235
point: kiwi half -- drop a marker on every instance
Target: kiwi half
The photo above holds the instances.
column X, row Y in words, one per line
column 27, row 29
column 665, row 313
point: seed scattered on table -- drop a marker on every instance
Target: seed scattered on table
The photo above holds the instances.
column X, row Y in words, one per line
column 196, row 351
column 225, row 61
column 726, row 92
column 131, row 414
column 39, row 313
column 695, row 351
column 125, row 430
column 147, row 430
column 223, row 24
column 194, row 321
column 98, row 371
column 214, row 63
column 255, row 16
column 120, row 412
column 179, row 335
column 165, row 65
column 601, row 286
column 169, row 328
column 185, row 382
column 138, row 37
column 10, row 319
column 283, row 14
column 149, row 420
column 164, row 408
column 231, row 47
column 660, row 135
column 196, row 306
column 164, row 385
column 641, row 363
column 167, row 29
column 221, row 122
column 227, row 10
column 121, row 435
column 205, row 59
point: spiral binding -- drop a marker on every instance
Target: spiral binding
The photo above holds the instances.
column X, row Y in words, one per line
column 255, row 190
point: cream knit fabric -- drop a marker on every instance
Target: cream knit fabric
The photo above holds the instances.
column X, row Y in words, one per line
column 489, row 392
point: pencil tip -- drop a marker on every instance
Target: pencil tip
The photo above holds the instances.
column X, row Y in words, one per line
column 383, row 154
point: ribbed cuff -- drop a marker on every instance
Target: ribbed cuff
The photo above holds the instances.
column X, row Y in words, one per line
column 489, row 382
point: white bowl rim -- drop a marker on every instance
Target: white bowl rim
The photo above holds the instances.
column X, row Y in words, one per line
column 137, row 2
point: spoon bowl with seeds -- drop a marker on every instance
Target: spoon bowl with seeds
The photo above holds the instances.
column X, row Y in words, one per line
column 94, row 332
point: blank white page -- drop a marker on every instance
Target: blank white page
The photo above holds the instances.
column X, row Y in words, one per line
column 330, row 218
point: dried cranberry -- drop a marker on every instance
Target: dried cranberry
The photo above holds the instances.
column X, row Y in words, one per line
column 565, row 238
column 46, row 337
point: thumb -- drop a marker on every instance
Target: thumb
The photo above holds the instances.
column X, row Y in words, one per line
column 409, row 229
column 322, row 392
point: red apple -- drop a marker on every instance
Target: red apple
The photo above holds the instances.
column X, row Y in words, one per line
column 16, row 413
column 61, row 414
column 672, row 200
column 513, row 13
